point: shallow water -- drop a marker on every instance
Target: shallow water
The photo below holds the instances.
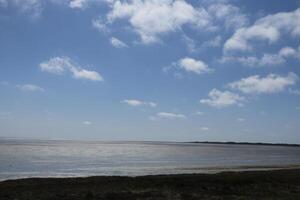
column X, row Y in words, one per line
column 36, row 158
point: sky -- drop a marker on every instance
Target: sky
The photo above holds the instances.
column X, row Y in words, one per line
column 167, row 70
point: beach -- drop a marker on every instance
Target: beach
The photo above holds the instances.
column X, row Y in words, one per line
column 267, row 184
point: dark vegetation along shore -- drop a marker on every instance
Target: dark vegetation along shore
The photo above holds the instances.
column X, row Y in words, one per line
column 249, row 143
column 277, row 184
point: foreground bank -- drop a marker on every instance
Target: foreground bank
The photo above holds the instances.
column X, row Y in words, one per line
column 276, row 184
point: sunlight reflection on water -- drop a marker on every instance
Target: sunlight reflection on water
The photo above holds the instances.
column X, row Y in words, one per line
column 33, row 158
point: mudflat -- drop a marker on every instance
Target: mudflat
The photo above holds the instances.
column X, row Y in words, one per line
column 272, row 184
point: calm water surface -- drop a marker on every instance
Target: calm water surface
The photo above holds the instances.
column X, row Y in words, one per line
column 35, row 158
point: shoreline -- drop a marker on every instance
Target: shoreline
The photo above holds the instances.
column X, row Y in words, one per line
column 174, row 171
column 261, row 184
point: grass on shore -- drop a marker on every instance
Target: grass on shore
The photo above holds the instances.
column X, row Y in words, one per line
column 277, row 184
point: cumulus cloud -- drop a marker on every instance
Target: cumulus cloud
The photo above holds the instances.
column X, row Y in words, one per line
column 270, row 84
column 30, row 88
column 117, row 43
column 192, row 65
column 135, row 102
column 269, row 28
column 85, row 74
column 59, row 65
column 152, row 18
column 221, row 99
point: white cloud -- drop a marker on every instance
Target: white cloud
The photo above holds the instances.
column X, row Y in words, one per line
column 230, row 15
column 167, row 115
column 204, row 128
column 82, row 4
column 85, row 74
column 135, row 102
column 152, row 18
column 87, row 123
column 30, row 88
column 192, row 65
column 269, row 84
column 221, row 99
column 58, row 65
column 117, row 43
column 100, row 25
column 267, row 59
column 78, row 3
column 269, row 28
column 132, row 102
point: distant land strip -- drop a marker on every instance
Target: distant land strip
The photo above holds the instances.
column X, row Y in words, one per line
column 248, row 143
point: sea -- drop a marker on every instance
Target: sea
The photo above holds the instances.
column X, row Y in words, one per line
column 24, row 158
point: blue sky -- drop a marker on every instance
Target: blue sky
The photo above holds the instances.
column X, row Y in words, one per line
column 150, row 70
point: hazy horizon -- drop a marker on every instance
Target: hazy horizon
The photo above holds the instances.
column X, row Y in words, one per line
column 157, row 70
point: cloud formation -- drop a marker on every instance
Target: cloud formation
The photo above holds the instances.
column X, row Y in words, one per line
column 267, row 59
column 115, row 42
column 135, row 102
column 100, row 25
column 153, row 18
column 221, row 99
column 269, row 28
column 167, row 115
column 192, row 65
column 59, row 65
column 30, row 88
column 228, row 14
column 270, row 84
column 78, row 3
